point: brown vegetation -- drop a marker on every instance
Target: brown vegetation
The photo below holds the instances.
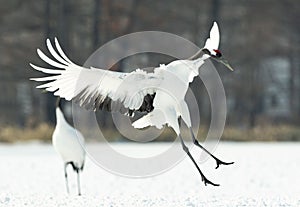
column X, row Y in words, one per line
column 43, row 132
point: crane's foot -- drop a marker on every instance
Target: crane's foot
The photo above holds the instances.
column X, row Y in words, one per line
column 219, row 162
column 206, row 181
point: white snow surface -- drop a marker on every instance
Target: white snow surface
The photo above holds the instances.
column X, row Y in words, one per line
column 264, row 174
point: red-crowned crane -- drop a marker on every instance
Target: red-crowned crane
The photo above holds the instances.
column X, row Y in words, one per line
column 69, row 144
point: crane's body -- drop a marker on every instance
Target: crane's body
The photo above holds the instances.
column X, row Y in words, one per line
column 169, row 103
column 69, row 144
column 160, row 94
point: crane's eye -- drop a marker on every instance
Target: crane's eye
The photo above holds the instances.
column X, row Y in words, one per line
column 218, row 53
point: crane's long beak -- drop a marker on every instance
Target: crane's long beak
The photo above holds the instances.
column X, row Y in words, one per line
column 224, row 62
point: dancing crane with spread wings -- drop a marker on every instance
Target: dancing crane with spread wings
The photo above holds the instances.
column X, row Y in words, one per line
column 159, row 94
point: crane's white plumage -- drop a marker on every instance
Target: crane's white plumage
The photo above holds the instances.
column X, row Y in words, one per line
column 69, row 144
column 94, row 83
column 160, row 93
column 91, row 86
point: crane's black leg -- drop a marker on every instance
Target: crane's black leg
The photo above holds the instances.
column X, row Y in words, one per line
column 219, row 162
column 66, row 177
column 186, row 149
column 78, row 182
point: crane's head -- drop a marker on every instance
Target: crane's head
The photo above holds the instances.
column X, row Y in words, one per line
column 217, row 55
column 212, row 44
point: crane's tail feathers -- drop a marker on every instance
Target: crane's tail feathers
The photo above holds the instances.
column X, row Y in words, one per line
column 151, row 119
column 158, row 119
column 143, row 122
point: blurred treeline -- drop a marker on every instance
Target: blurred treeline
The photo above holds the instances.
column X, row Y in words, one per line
column 260, row 38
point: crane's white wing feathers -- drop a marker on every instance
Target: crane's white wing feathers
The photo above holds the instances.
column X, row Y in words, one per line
column 93, row 88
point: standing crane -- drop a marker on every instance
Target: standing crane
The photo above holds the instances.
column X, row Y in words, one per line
column 69, row 144
column 159, row 94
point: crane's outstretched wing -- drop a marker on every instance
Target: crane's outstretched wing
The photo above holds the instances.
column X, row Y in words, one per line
column 95, row 88
column 212, row 43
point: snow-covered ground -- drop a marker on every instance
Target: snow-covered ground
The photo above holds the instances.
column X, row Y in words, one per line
column 264, row 174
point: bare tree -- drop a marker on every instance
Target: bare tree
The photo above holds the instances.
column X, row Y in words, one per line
column 96, row 23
